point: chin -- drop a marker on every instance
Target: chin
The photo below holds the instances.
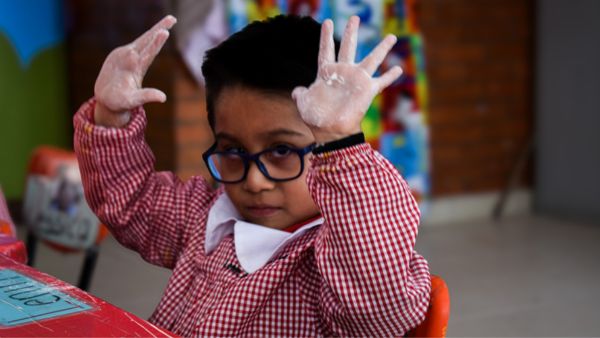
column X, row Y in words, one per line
column 268, row 222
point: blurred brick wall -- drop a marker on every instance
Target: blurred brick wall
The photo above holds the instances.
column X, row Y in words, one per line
column 480, row 71
column 193, row 135
column 177, row 131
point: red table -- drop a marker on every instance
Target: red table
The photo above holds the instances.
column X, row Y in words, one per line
column 34, row 304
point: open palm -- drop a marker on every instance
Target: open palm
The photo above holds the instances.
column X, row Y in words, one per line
column 340, row 96
column 119, row 85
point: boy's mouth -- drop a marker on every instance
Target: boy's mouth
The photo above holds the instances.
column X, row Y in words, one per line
column 262, row 210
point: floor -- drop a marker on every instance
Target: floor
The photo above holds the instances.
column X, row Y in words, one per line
column 522, row 276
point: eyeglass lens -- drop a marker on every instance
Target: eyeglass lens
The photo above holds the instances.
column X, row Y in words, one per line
column 279, row 163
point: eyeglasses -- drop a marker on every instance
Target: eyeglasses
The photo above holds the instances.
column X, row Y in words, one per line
column 279, row 164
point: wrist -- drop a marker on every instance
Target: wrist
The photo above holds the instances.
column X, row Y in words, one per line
column 345, row 142
column 325, row 136
column 105, row 117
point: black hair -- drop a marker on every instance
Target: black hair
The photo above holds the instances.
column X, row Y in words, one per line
column 275, row 55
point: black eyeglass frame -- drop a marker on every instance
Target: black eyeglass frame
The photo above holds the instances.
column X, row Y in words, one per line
column 247, row 158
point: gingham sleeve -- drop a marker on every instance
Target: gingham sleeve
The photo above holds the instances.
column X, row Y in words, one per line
column 149, row 212
column 374, row 283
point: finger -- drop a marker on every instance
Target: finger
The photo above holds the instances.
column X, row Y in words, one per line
column 153, row 48
column 147, row 95
column 166, row 23
column 387, row 78
column 349, row 40
column 375, row 58
column 326, row 46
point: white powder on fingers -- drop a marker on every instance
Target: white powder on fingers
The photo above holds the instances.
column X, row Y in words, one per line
column 334, row 78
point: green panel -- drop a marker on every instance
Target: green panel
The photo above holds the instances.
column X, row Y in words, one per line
column 33, row 112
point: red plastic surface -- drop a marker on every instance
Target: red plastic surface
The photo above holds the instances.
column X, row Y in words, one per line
column 103, row 320
column 13, row 248
column 7, row 226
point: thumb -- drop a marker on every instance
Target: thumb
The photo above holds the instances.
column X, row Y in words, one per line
column 147, row 95
column 298, row 93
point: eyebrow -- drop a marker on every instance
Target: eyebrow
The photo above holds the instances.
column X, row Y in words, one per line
column 281, row 132
column 265, row 135
column 223, row 135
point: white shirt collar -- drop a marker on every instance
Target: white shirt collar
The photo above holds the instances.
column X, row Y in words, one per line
column 254, row 244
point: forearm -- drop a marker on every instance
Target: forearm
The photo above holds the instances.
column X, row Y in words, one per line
column 104, row 117
column 145, row 210
column 366, row 255
column 114, row 164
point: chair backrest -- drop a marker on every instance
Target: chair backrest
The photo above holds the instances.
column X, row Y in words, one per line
column 54, row 205
column 438, row 312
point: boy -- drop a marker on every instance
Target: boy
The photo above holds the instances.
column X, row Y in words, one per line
column 311, row 232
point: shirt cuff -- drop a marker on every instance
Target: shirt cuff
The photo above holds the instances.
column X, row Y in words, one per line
column 342, row 143
column 83, row 121
column 341, row 156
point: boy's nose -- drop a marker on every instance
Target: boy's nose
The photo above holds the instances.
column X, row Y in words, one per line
column 256, row 181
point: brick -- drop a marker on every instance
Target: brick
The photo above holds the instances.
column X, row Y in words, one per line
column 193, row 133
column 462, row 113
column 185, row 85
column 510, row 51
column 448, row 53
column 190, row 110
column 190, row 156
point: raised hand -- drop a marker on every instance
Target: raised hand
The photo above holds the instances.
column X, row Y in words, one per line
column 118, row 87
column 335, row 104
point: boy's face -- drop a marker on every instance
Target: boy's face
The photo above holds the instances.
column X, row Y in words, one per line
column 251, row 121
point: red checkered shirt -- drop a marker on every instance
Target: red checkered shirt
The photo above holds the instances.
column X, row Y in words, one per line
column 355, row 275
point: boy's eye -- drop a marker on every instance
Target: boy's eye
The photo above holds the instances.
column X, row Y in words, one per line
column 233, row 150
column 280, row 151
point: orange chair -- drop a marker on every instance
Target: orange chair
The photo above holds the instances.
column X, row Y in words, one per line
column 438, row 312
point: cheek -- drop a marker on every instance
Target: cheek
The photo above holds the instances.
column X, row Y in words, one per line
column 302, row 183
column 298, row 196
column 233, row 192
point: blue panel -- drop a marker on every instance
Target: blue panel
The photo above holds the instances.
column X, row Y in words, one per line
column 24, row 300
column 32, row 26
